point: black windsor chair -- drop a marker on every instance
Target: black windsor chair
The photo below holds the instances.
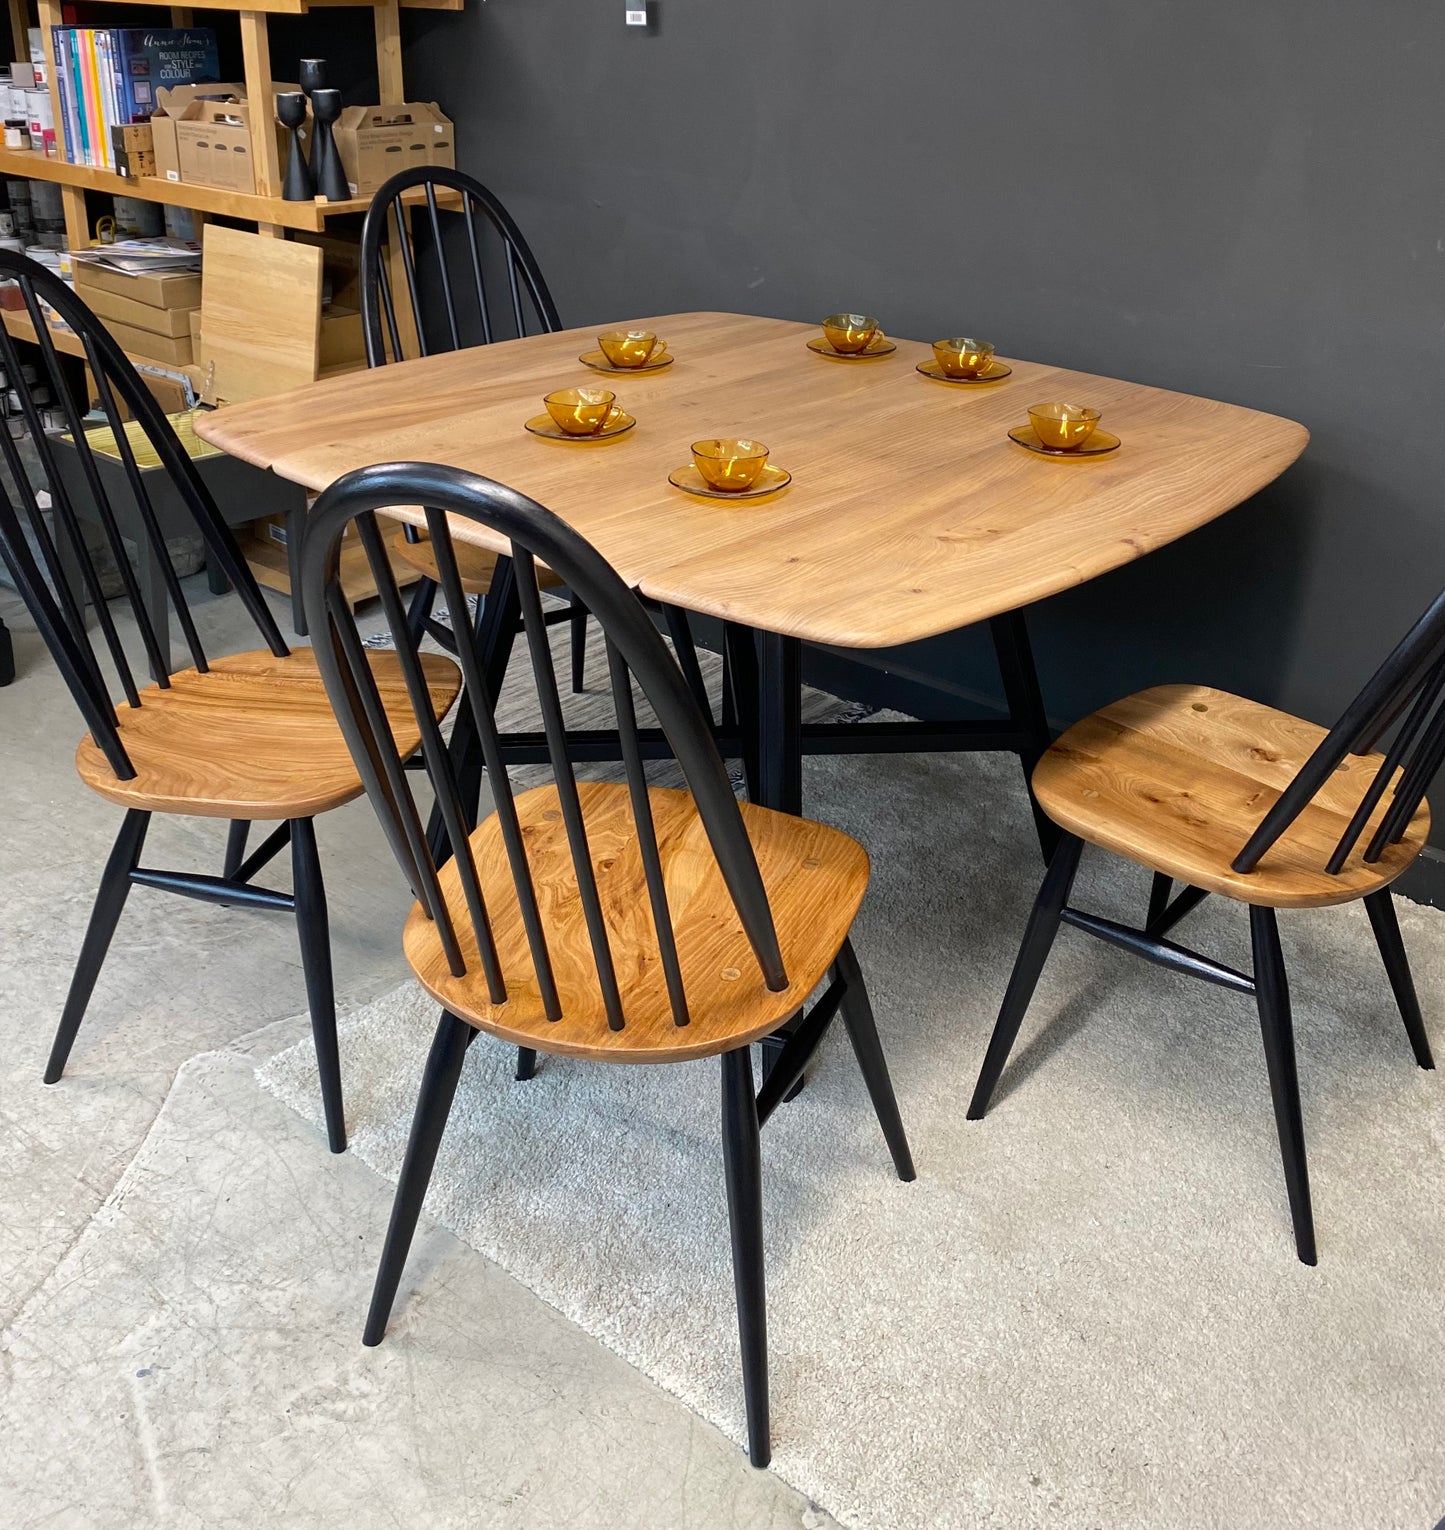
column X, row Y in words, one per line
column 616, row 922
column 1231, row 797
column 248, row 737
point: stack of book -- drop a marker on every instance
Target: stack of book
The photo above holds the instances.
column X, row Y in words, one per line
column 107, row 77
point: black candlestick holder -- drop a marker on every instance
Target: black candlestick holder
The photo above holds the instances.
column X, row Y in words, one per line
column 313, row 74
column 298, row 185
column 325, row 157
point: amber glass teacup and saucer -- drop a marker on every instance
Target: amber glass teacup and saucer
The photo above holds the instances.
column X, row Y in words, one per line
column 581, row 414
column 729, row 467
column 851, row 337
column 964, row 360
column 628, row 350
column 1064, row 430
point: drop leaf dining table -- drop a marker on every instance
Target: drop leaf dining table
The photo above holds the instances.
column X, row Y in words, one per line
column 910, row 512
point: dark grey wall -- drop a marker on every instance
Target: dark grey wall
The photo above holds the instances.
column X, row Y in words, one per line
column 1239, row 199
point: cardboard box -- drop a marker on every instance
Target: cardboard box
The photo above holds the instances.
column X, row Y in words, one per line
column 342, row 341
column 134, row 147
column 116, row 308
column 171, row 104
column 213, row 145
column 156, row 289
column 174, row 352
column 193, row 325
column 377, row 141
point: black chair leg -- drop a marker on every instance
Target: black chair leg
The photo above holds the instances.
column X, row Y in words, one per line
column 1272, row 992
column 1380, row 906
column 526, row 1064
column 577, row 623
column 1038, row 941
column 743, row 1167
column 863, row 1033
column 313, row 929
column 109, row 901
column 236, row 836
column 433, row 1106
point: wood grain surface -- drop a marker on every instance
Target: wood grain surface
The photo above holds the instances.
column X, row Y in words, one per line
column 254, row 737
column 815, row 878
column 910, row 512
column 1178, row 777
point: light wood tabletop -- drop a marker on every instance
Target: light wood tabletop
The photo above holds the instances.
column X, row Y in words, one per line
column 910, row 512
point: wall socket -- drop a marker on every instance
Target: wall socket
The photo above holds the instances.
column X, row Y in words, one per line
column 636, row 13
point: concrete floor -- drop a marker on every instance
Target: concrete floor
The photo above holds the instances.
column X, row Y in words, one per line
column 156, row 1203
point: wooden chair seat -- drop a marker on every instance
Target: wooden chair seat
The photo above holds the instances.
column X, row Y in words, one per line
column 254, row 737
column 476, row 565
column 815, row 877
column 1178, row 776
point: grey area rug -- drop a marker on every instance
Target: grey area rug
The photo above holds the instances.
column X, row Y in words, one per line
column 1086, row 1313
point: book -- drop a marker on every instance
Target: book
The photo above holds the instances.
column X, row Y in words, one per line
column 152, row 58
column 69, row 128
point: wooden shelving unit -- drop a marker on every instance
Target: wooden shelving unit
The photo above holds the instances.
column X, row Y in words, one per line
column 266, row 209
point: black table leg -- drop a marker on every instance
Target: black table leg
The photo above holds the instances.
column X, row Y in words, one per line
column 1026, row 709
column 780, row 723
column 7, row 656
column 496, row 627
column 780, row 762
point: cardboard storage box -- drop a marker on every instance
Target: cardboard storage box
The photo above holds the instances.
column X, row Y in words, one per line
column 134, row 147
column 377, row 141
column 115, row 308
column 156, row 289
column 202, row 136
column 342, row 342
column 173, row 350
column 172, row 103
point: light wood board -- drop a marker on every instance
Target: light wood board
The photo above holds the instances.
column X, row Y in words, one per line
column 910, row 512
column 260, row 312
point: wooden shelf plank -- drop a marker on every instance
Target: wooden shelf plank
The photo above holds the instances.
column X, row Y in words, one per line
column 17, row 321
column 308, row 216
column 299, row 7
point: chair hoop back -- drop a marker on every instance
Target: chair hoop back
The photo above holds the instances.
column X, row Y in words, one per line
column 388, row 329
column 48, row 555
column 531, row 534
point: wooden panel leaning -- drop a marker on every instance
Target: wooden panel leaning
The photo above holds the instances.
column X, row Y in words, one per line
column 615, row 922
column 1227, row 796
column 246, row 737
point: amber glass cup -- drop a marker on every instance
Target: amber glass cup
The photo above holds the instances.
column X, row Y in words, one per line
column 728, row 464
column 963, row 357
column 850, row 332
column 580, row 411
column 1063, row 426
column 631, row 347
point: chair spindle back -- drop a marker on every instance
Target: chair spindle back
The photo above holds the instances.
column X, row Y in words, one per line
column 530, row 534
column 1405, row 690
column 46, row 560
column 484, row 226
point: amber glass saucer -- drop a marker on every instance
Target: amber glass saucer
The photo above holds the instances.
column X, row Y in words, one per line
column 996, row 371
column 598, row 361
column 879, row 345
column 690, row 481
column 1099, row 442
column 618, row 422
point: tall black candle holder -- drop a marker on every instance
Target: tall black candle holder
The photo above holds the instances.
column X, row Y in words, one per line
column 325, row 158
column 298, row 185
